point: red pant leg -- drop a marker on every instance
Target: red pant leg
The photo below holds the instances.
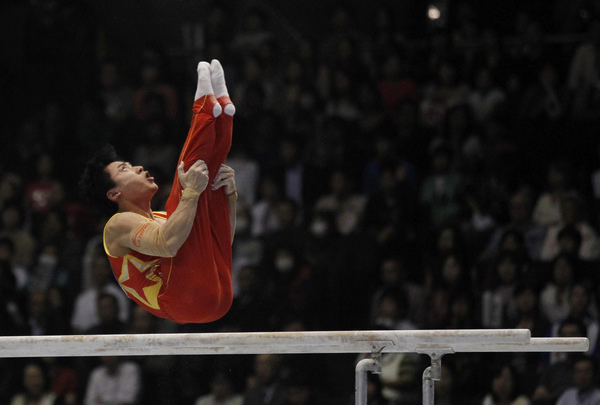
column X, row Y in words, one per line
column 197, row 290
column 218, row 201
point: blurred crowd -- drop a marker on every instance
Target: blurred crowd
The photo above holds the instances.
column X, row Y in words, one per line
column 385, row 182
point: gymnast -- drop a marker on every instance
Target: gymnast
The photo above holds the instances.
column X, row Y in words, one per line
column 176, row 264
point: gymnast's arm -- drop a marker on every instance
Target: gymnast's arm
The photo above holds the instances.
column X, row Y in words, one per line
column 130, row 231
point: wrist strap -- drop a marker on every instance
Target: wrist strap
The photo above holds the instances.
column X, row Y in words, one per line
column 190, row 193
column 233, row 196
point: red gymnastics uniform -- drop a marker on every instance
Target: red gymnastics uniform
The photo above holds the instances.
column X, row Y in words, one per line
column 195, row 285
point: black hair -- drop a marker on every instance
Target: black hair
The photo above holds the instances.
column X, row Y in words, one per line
column 96, row 181
column 109, row 296
column 573, row 321
column 570, row 231
column 496, row 371
column 9, row 243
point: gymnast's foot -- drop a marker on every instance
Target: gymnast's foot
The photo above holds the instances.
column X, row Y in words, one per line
column 217, row 76
column 205, row 88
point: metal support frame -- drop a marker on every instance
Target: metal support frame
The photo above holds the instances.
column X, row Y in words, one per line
column 434, row 371
column 435, row 343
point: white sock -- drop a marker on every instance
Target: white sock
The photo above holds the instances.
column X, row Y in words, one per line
column 205, row 86
column 204, row 83
column 217, row 76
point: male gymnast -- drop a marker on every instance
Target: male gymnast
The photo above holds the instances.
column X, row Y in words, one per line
column 177, row 264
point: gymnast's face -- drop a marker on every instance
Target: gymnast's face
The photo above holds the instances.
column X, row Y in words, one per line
column 131, row 182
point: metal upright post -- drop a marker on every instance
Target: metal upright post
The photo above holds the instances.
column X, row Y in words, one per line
column 428, row 387
column 431, row 374
column 373, row 365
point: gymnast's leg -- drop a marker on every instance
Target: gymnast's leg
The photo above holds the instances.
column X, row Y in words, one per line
column 196, row 291
column 217, row 199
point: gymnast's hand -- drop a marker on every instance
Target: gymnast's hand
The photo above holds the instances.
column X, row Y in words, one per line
column 195, row 178
column 225, row 178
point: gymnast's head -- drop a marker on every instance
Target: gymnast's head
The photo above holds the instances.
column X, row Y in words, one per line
column 108, row 182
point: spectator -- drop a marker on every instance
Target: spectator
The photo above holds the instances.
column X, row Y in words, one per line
column 445, row 390
column 221, row 391
column 264, row 218
column 595, row 183
column 557, row 377
column 35, row 385
column 554, row 295
column 442, row 93
column 247, row 174
column 342, row 200
column 401, row 378
column 155, row 98
column 252, row 308
column 390, row 214
column 156, row 152
column 528, row 315
column 85, row 309
column 546, row 211
column 571, row 215
column 264, row 386
column 450, row 279
column 504, row 388
column 157, row 369
column 462, row 311
column 255, row 31
column 299, row 93
column 322, row 240
column 63, row 380
column 582, row 308
column 12, row 315
column 292, row 171
column 12, row 226
column 93, row 129
column 7, row 254
column 529, row 52
column 395, row 84
column 342, row 102
column 42, row 319
column 460, row 133
column 46, row 191
column 519, row 212
column 544, row 100
column 116, row 95
column 392, row 311
column 116, row 381
column 498, row 300
column 59, row 231
column 291, row 282
column 108, row 317
column 582, row 76
column 300, row 390
column 289, row 232
column 395, row 276
column 441, row 190
column 10, row 190
column 585, row 390
column 382, row 155
column 48, row 271
column 254, row 92
column 247, row 250
column 486, row 97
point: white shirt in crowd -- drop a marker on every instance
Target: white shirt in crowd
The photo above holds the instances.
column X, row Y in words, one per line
column 123, row 387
